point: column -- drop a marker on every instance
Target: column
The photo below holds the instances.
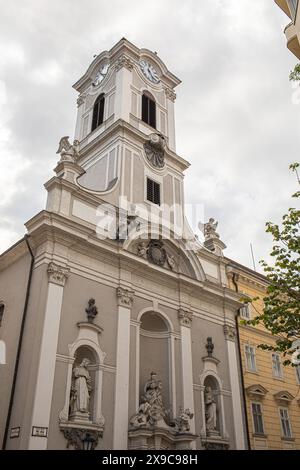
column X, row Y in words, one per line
column 185, row 318
column 234, row 371
column 46, row 369
column 125, row 299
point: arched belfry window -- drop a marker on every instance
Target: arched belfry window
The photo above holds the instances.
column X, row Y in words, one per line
column 98, row 112
column 149, row 110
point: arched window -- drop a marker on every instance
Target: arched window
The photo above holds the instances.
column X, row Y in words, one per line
column 148, row 110
column 98, row 112
column 1, row 312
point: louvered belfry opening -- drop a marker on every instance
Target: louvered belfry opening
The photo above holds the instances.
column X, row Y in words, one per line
column 153, row 191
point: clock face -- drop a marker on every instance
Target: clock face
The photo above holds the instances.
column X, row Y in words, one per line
column 100, row 75
column 149, row 71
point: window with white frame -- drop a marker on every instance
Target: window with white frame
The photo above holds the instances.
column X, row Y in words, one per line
column 257, row 417
column 250, row 354
column 245, row 312
column 285, row 422
column 298, row 373
column 276, row 366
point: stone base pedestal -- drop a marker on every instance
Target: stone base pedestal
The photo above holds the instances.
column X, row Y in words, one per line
column 82, row 435
column 159, row 439
column 215, row 443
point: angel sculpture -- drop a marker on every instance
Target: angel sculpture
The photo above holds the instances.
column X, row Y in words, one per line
column 209, row 229
column 68, row 152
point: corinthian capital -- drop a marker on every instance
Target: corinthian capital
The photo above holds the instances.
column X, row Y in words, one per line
column 170, row 94
column 185, row 317
column 123, row 61
column 125, row 297
column 57, row 274
column 229, row 332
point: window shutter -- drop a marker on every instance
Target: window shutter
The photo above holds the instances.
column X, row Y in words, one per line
column 153, row 191
column 152, row 113
column 145, row 108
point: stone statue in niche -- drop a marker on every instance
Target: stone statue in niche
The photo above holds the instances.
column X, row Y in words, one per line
column 68, row 152
column 81, row 391
column 154, row 149
column 210, row 410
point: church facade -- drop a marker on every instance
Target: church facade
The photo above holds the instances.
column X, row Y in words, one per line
column 119, row 325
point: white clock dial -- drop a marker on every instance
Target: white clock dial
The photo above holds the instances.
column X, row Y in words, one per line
column 100, row 75
column 149, row 71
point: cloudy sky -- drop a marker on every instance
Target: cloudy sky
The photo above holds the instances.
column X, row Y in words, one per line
column 237, row 115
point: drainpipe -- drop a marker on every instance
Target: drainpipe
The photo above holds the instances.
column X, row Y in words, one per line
column 13, row 387
column 234, row 281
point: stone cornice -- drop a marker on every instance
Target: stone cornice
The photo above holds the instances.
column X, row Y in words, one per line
column 57, row 274
column 121, row 125
column 125, row 297
column 52, row 226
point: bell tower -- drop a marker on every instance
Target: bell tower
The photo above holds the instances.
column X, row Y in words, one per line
column 126, row 129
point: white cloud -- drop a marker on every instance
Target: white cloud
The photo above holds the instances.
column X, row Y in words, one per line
column 235, row 117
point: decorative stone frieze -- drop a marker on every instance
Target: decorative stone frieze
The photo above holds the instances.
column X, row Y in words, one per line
column 185, row 317
column 229, row 332
column 57, row 274
column 125, row 297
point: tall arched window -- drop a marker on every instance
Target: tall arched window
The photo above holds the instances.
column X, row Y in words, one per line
column 98, row 112
column 148, row 110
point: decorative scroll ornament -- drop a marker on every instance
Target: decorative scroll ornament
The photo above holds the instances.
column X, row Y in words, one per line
column 68, row 152
column 154, row 149
column 91, row 310
column 81, row 99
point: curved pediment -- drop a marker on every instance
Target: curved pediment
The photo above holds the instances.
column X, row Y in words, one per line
column 167, row 253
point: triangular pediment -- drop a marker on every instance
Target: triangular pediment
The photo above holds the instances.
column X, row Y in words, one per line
column 283, row 396
column 256, row 391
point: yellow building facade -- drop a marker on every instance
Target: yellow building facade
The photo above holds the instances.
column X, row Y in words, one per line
column 272, row 391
